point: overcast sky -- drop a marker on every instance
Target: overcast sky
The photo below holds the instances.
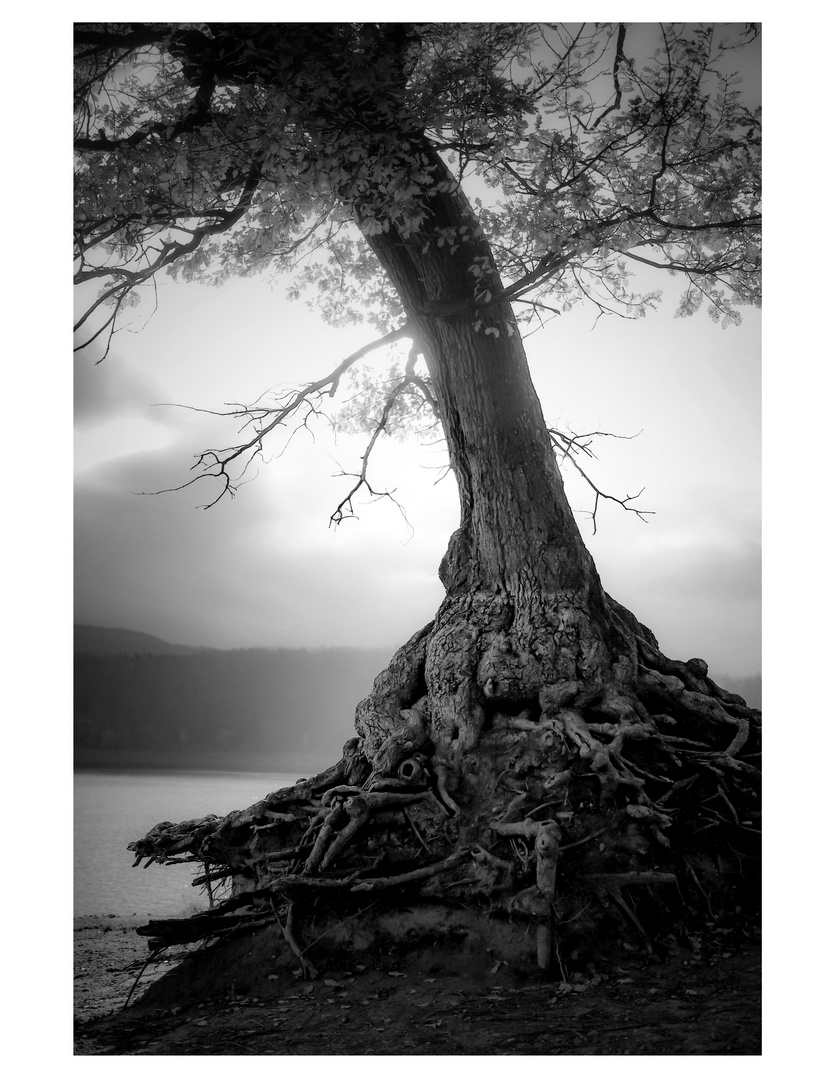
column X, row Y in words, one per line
column 267, row 569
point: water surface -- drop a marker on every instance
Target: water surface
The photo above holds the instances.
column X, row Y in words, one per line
column 113, row 808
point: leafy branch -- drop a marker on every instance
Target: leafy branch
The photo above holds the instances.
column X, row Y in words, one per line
column 156, row 259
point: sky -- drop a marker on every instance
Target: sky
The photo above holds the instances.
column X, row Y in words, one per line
column 266, row 569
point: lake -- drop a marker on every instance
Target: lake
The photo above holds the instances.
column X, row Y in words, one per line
column 113, row 808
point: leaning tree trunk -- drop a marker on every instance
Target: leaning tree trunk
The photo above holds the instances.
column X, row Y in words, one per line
column 525, row 611
column 529, row 760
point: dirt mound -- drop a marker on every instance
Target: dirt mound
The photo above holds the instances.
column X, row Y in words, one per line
column 704, row 1001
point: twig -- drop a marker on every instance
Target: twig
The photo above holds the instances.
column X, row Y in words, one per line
column 215, row 463
column 414, row 875
column 309, row 970
column 418, row 835
column 585, row 840
column 567, row 447
column 144, row 966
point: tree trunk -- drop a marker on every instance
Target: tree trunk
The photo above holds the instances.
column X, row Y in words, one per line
column 525, row 613
column 530, row 754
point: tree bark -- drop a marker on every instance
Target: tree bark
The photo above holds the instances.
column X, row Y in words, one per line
column 530, row 751
column 525, row 610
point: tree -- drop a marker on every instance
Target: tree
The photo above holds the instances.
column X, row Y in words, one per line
column 531, row 751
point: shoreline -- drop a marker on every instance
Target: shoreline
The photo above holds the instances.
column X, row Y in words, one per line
column 686, row 1004
column 196, row 761
column 108, row 955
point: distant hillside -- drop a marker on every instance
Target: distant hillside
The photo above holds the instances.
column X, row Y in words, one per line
column 215, row 708
column 103, row 641
column 143, row 702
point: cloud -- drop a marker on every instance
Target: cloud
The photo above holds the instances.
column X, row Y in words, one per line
column 718, row 573
column 693, row 573
column 266, row 569
column 263, row 569
column 110, row 390
column 700, row 599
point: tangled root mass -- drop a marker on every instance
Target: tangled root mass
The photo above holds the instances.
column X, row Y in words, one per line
column 620, row 808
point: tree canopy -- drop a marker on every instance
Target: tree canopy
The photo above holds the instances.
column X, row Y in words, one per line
column 206, row 151
column 454, row 185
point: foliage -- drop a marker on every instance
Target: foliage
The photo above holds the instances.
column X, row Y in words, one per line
column 215, row 150
column 333, row 150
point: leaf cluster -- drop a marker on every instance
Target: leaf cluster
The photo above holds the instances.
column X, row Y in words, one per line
column 210, row 150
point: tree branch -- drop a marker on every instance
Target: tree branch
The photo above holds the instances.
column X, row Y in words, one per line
column 344, row 508
column 619, row 57
column 170, row 252
column 570, row 445
column 98, row 40
column 215, row 463
column 679, row 267
column 196, row 115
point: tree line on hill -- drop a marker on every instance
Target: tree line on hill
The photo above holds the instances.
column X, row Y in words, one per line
column 143, row 701
column 283, row 707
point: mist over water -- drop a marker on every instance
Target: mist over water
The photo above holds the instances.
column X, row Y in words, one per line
column 113, row 808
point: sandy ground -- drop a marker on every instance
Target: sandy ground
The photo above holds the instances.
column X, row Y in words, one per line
column 703, row 1003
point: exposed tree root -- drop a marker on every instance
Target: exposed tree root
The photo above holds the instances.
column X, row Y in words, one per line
column 307, row 967
column 600, row 795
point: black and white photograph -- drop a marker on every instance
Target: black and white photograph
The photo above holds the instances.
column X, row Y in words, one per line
column 417, row 538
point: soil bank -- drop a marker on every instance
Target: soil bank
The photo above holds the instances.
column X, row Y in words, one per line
column 702, row 1001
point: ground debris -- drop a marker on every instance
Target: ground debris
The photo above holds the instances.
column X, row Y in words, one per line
column 658, row 1008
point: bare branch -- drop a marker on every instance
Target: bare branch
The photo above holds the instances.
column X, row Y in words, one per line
column 344, row 508
column 569, row 446
column 215, row 463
